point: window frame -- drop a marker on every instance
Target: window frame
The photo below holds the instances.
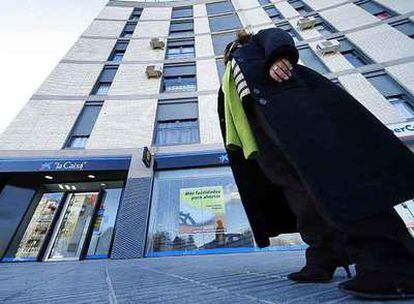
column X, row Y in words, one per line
column 172, row 102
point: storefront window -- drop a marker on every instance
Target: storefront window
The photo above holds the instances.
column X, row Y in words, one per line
column 68, row 221
column 39, row 225
column 197, row 211
column 103, row 228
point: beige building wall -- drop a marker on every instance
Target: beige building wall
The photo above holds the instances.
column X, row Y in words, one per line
column 128, row 114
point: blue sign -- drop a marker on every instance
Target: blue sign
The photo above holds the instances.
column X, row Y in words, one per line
column 191, row 160
column 64, row 164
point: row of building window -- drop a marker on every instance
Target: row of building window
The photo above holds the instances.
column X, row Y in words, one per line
column 177, row 120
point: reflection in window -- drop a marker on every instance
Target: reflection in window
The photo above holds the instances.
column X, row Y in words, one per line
column 196, row 210
column 180, row 84
column 223, row 23
column 103, row 228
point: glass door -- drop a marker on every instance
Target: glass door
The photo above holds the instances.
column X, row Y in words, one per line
column 73, row 226
column 30, row 245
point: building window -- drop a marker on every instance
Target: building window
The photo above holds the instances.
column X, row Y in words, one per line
column 355, row 57
column 77, row 142
column 177, row 123
column 404, row 26
column 183, row 223
column 66, row 218
column 105, row 81
column 83, row 127
column 300, row 7
column 224, row 23
column 322, row 26
column 221, row 68
column 401, row 100
column 311, row 60
column 136, row 14
column 220, row 42
column 288, row 28
column 375, row 9
column 182, row 28
column 182, row 12
column 264, row 2
column 180, row 48
column 128, row 30
column 119, row 51
column 273, row 13
column 219, row 8
column 179, row 78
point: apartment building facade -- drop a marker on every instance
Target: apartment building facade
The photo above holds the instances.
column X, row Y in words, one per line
column 119, row 155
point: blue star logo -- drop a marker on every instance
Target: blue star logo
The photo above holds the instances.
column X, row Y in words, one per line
column 224, row 158
column 46, row 166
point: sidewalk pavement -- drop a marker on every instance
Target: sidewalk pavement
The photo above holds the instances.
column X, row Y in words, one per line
column 243, row 278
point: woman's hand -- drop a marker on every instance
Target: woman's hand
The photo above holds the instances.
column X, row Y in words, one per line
column 280, row 70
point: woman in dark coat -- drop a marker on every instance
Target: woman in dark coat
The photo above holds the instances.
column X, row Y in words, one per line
column 337, row 167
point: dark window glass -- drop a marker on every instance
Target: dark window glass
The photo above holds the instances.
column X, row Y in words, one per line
column 375, row 9
column 103, row 229
column 180, row 84
column 300, row 7
column 219, row 8
column 185, row 27
column 322, row 27
column 220, row 42
column 177, row 123
column 180, row 52
column 406, row 27
column 83, row 126
column 136, row 14
column 182, row 12
column 354, row 59
column 128, row 30
column 14, row 202
column 401, row 100
column 119, row 51
column 117, row 56
column 353, row 55
column 403, row 105
column 180, row 48
column 311, row 60
column 220, row 68
column 264, row 2
column 222, row 23
column 105, row 81
column 273, row 13
column 179, row 78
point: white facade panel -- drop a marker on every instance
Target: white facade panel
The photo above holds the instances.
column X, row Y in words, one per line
column 115, row 13
column 105, row 28
column 132, row 80
column 71, row 79
column 91, row 49
column 124, row 124
column 41, row 125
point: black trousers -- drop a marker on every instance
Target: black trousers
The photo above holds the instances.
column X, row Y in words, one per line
column 381, row 243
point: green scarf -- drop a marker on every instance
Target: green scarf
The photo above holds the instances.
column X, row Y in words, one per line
column 239, row 134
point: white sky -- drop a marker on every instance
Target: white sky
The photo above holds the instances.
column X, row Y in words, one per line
column 34, row 36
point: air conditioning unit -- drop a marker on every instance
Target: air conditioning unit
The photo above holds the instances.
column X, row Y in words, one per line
column 157, row 44
column 153, row 71
column 328, row 46
column 306, row 23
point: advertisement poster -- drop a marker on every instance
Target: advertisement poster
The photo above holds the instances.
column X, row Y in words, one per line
column 202, row 210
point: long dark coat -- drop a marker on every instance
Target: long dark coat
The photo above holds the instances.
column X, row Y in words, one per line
column 349, row 161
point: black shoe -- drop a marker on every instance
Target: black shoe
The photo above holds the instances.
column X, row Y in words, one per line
column 315, row 274
column 378, row 287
